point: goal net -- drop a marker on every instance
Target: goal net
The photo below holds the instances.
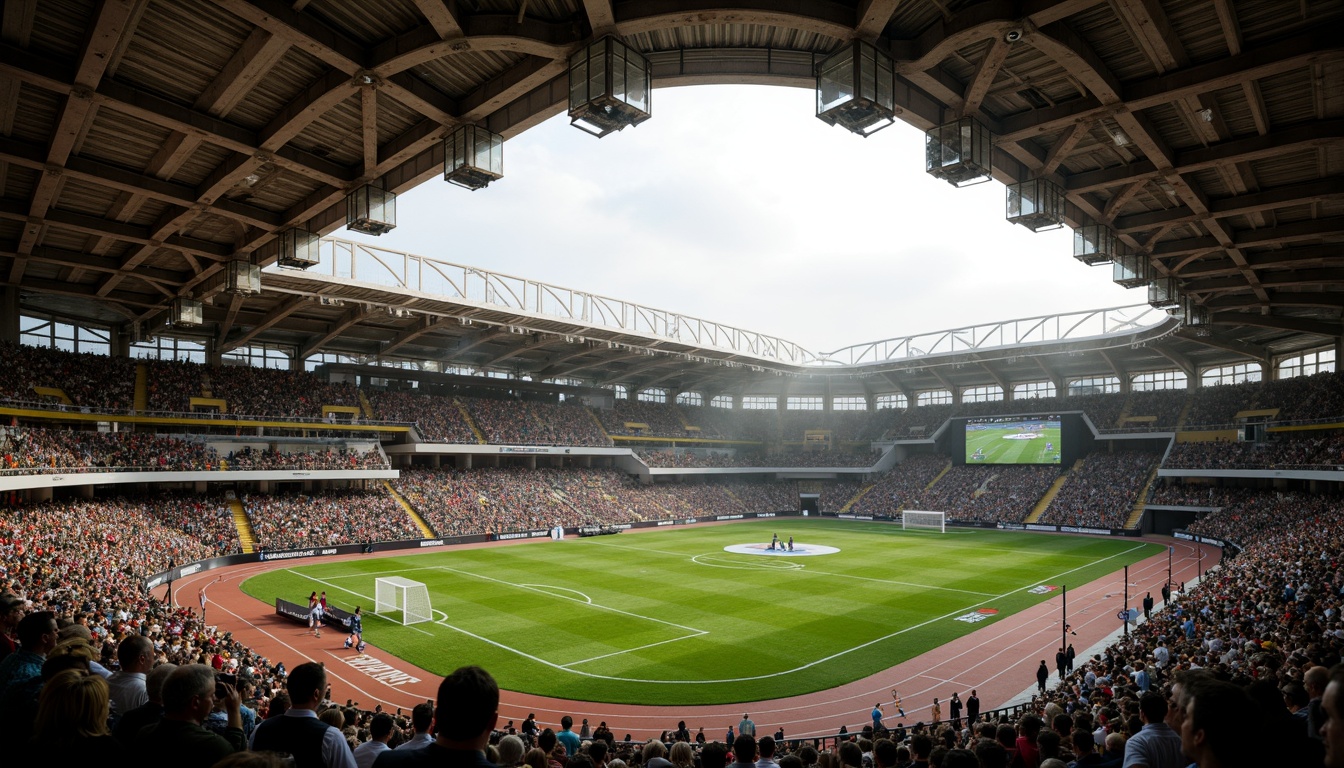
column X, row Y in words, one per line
column 401, row 600
column 913, row 519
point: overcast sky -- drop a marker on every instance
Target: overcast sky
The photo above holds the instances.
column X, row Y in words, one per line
column 735, row 204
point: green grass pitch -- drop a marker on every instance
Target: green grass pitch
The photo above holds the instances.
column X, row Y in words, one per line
column 669, row 617
column 998, row 449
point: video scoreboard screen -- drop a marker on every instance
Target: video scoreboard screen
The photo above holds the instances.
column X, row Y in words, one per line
column 1014, row 440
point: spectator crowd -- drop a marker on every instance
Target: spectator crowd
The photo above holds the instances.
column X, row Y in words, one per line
column 34, row 450
column 1102, row 492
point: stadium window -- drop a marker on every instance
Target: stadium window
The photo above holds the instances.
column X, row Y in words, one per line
column 690, row 398
column 893, row 400
column 804, row 403
column 849, row 404
column 1155, row 380
column 1034, row 389
column 620, row 392
column 170, row 348
column 92, row 340
column 1098, row 386
column 653, row 395
column 258, row 356
column 311, row 362
column 1231, row 374
column 934, row 397
column 722, row 401
column 1321, row 361
column 760, row 402
column 986, row 394
column 52, row 334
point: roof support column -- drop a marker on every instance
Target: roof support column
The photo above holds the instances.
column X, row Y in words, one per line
column 118, row 342
column 9, row 314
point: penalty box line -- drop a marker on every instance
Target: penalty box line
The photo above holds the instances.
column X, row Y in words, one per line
column 366, row 597
column 692, row 632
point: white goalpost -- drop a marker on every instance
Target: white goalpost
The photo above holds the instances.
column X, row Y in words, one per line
column 918, row 520
column 401, row 600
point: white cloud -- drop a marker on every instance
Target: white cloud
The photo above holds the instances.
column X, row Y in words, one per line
column 735, row 204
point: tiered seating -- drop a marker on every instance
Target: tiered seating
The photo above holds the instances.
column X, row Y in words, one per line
column 1218, row 405
column 35, row 450
column 1163, row 404
column 898, row 489
column 1103, row 492
column 438, row 418
column 98, row 382
column 276, row 393
column 663, row 420
column 327, row 518
column 988, row 493
column 1289, row 451
column 172, row 384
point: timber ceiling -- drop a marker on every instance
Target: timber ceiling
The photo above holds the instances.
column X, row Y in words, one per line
column 144, row 143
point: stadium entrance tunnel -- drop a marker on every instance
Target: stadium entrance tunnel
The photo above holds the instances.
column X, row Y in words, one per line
column 763, row 548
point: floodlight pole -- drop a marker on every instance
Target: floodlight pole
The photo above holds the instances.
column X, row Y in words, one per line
column 1126, row 601
column 1064, row 615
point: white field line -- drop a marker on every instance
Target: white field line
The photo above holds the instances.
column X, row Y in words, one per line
column 599, row 606
column 356, row 594
column 813, row 570
column 782, row 673
column 808, row 665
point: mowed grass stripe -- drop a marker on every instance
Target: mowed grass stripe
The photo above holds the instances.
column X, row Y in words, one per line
column 769, row 629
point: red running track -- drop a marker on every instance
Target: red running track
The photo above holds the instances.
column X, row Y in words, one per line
column 999, row 661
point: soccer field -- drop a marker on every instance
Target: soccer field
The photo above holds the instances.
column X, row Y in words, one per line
column 1001, row 446
column 670, row 617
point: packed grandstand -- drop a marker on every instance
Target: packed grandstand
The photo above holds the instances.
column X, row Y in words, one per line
column 109, row 546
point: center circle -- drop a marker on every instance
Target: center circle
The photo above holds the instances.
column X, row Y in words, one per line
column 763, row 548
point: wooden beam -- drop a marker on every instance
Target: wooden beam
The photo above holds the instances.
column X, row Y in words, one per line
column 280, row 312
column 983, row 78
column 351, row 316
column 258, row 54
column 601, row 16
column 1254, row 148
column 369, row 127
column 417, row 329
column 872, row 17
column 1252, row 64
column 442, row 16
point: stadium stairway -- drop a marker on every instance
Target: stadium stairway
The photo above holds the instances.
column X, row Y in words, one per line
column 1050, row 493
column 462, row 408
column 365, row 405
column 419, row 521
column 935, row 480
column 141, row 402
column 1141, row 503
column 207, row 384
column 1125, row 410
column 1180, row 420
column 855, row 499
column 246, row 537
column 603, row 430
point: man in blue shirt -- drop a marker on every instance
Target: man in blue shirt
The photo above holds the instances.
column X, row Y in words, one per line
column 568, row 737
column 1156, row 745
column 37, row 638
